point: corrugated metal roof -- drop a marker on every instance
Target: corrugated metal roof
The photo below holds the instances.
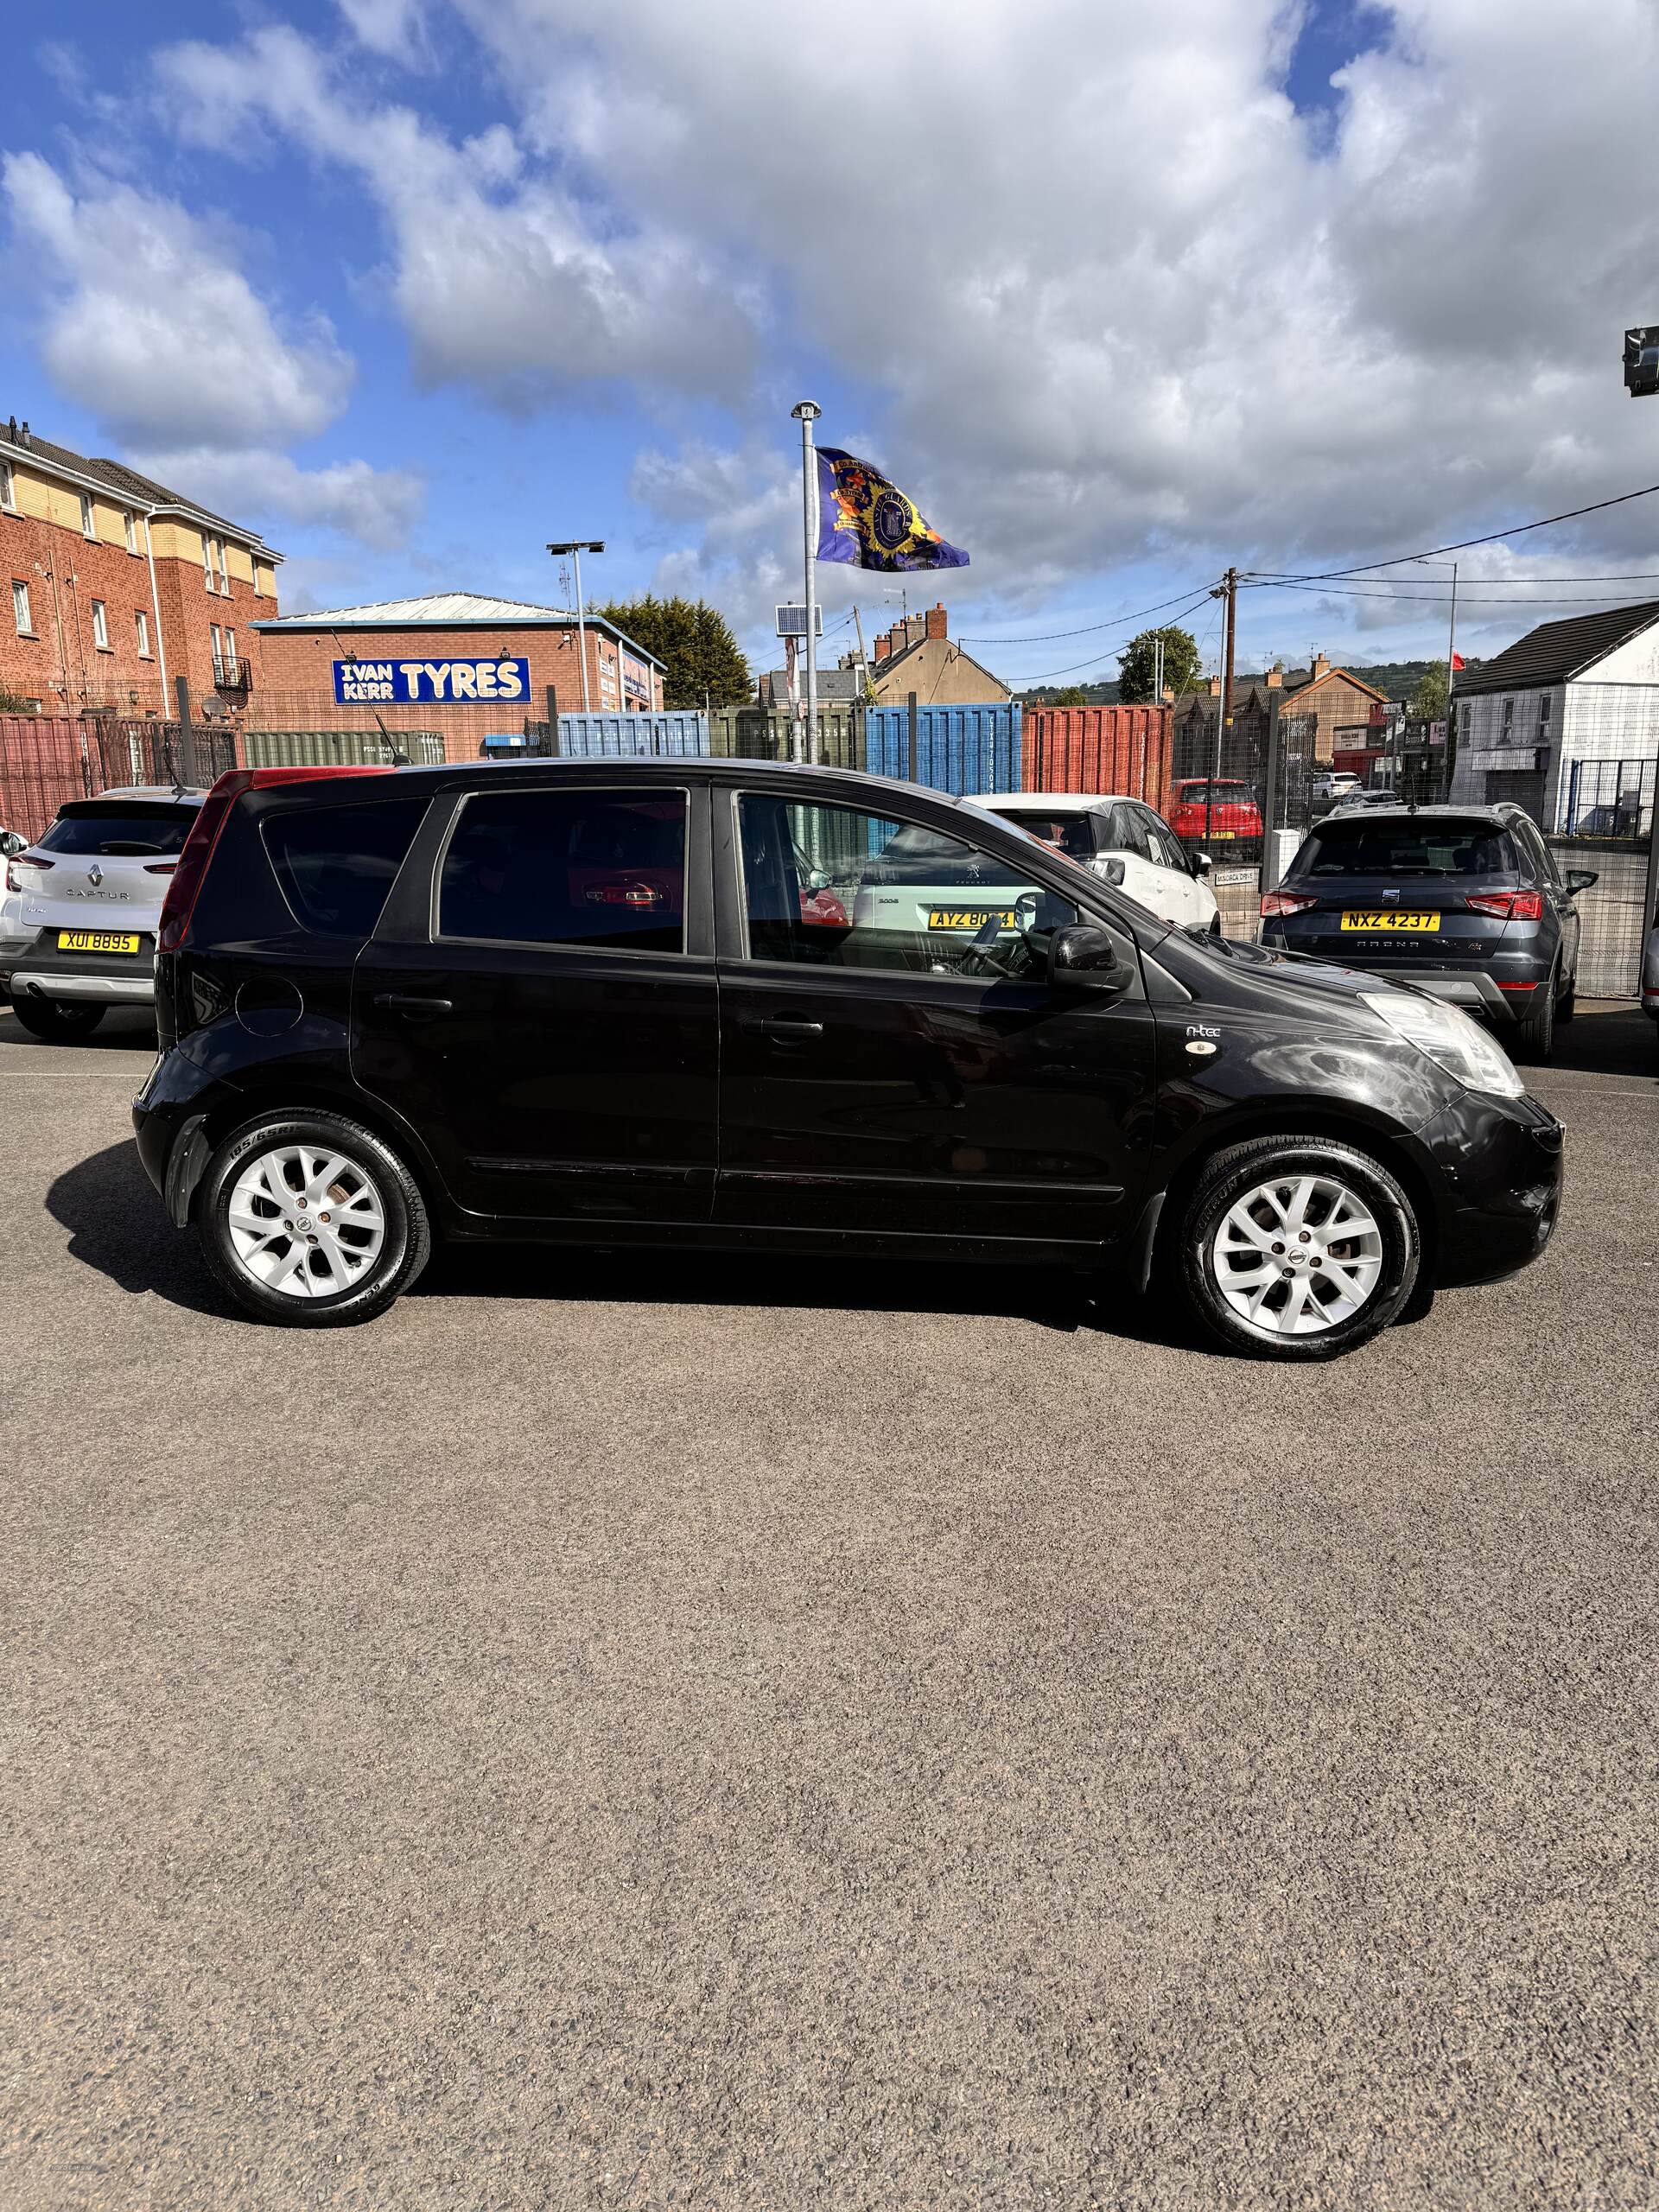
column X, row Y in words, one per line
column 1556, row 651
column 458, row 610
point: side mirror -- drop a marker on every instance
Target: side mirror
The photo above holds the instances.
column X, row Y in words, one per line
column 819, row 879
column 1110, row 871
column 1202, row 863
column 1581, row 878
column 11, row 843
column 1084, row 958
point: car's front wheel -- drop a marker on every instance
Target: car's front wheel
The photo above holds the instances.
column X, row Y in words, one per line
column 60, row 1022
column 1297, row 1248
column 310, row 1221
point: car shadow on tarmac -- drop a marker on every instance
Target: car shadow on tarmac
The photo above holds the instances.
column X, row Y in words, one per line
column 116, row 1224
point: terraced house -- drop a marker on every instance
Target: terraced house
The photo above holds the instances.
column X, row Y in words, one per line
column 118, row 585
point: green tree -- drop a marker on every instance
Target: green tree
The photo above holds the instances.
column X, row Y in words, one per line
column 695, row 643
column 1427, row 702
column 1070, row 695
column 1138, row 664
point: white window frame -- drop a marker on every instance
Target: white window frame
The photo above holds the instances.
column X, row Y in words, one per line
column 223, row 572
column 217, row 637
column 8, row 488
column 101, row 626
column 230, row 654
column 141, row 631
column 88, row 517
column 129, row 525
column 20, row 609
column 206, row 560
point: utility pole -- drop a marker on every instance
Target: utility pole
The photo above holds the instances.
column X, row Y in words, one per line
column 577, row 547
column 806, row 413
column 1227, row 592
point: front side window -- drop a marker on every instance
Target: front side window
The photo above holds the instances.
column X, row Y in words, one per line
column 336, row 864
column 1166, row 846
column 88, row 526
column 603, row 869
column 833, row 886
column 20, row 607
column 100, row 626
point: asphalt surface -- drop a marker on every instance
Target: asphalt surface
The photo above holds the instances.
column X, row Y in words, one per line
column 649, row 1732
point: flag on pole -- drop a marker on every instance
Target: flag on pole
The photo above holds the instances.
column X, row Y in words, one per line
column 869, row 524
column 1458, row 662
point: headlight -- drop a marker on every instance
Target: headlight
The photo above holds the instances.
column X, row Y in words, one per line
column 1450, row 1039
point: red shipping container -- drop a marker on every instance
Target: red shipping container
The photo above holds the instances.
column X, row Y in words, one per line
column 1122, row 750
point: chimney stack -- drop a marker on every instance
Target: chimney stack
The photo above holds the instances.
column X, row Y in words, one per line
column 1214, row 687
column 883, row 648
column 26, row 440
column 935, row 620
column 1276, row 677
column 1321, row 667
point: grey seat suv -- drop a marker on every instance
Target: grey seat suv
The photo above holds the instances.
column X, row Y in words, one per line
column 1465, row 902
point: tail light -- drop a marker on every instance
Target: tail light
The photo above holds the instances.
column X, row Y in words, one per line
column 1508, row 905
column 623, row 894
column 1288, row 902
column 36, row 861
column 191, row 868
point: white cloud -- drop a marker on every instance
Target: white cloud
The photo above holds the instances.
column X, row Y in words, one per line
column 378, row 507
column 148, row 323
column 395, row 28
column 504, row 279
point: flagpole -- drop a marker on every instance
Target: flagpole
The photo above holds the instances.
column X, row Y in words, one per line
column 806, row 414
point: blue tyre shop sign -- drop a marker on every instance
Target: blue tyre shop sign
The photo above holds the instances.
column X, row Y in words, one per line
column 410, row 682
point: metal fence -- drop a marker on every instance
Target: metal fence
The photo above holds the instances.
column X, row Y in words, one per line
column 48, row 760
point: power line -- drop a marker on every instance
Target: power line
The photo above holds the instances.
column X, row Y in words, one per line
column 1050, row 637
column 1048, row 675
column 1492, row 536
column 1440, row 598
column 1478, row 583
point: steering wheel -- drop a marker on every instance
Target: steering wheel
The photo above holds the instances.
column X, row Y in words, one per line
column 985, row 956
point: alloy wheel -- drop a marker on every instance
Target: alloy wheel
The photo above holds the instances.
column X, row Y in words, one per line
column 1297, row 1255
column 306, row 1221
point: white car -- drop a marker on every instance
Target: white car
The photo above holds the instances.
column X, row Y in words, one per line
column 1335, row 783
column 81, row 907
column 1123, row 842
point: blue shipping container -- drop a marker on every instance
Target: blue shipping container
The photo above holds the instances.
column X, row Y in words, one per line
column 962, row 750
column 632, row 737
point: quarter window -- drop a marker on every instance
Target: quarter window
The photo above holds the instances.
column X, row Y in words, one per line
column 832, row 886
column 20, row 607
column 604, row 869
column 100, row 626
column 336, row 864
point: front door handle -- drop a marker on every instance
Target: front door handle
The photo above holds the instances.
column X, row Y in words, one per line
column 783, row 1026
column 407, row 1003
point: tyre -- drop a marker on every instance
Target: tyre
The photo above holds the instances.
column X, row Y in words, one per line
column 1297, row 1247
column 1569, row 1003
column 309, row 1221
column 61, row 1021
column 1534, row 1035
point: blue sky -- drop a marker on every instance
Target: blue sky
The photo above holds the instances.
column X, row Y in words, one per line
column 1120, row 293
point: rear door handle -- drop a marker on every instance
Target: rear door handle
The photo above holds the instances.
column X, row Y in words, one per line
column 406, row 1002
column 782, row 1026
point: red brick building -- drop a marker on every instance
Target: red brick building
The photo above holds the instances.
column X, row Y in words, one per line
column 298, row 652
column 115, row 587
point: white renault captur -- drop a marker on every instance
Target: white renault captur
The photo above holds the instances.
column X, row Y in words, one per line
column 81, row 908
column 1122, row 841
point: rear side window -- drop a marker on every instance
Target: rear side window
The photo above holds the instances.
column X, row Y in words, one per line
column 595, row 868
column 1357, row 847
column 1072, row 832
column 336, row 864
column 116, row 827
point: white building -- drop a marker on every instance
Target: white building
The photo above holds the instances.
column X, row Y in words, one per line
column 1566, row 723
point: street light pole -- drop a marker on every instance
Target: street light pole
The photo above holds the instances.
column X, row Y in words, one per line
column 577, row 547
column 806, row 414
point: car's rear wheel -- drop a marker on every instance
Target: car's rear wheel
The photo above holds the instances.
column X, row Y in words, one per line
column 1533, row 1036
column 1568, row 1004
column 310, row 1221
column 61, row 1021
column 1297, row 1248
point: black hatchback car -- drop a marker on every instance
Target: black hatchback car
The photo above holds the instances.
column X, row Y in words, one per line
column 1463, row 901
column 651, row 1002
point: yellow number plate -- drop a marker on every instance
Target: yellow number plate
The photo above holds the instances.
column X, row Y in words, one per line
column 96, row 941
column 1391, row 921
column 1217, row 837
column 968, row 918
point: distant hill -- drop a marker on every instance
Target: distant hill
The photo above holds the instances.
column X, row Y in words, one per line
column 1094, row 694
column 1395, row 679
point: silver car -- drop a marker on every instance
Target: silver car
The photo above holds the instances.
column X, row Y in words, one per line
column 81, row 908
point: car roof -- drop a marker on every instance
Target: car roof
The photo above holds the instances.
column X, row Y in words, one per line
column 717, row 768
column 1498, row 818
column 1042, row 801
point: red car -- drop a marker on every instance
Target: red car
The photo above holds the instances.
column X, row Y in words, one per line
column 1233, row 812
